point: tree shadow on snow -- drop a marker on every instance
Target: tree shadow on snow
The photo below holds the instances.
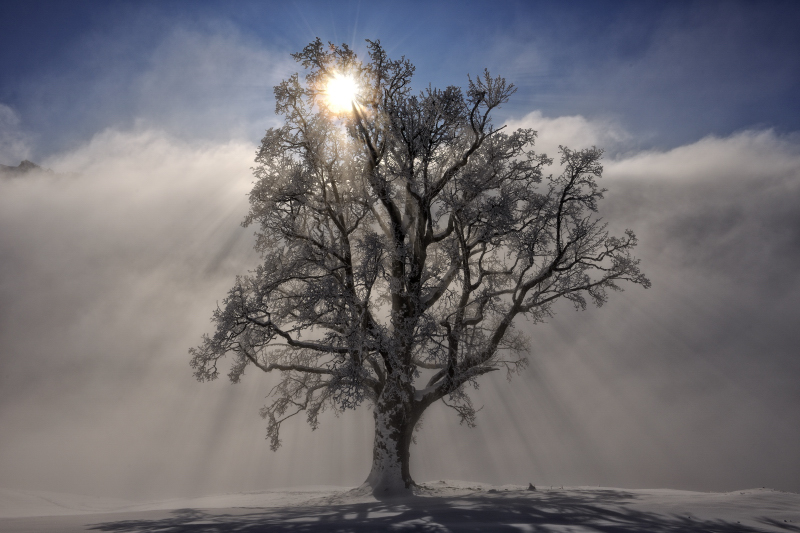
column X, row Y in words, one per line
column 592, row 511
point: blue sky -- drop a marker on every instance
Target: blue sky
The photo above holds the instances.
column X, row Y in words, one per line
column 149, row 113
column 669, row 72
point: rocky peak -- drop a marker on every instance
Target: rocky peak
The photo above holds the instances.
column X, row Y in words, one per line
column 23, row 168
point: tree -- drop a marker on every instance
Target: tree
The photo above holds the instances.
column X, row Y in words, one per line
column 403, row 236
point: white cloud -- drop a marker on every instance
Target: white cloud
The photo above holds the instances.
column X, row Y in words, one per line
column 729, row 205
column 133, row 221
column 747, row 156
column 574, row 132
column 108, row 275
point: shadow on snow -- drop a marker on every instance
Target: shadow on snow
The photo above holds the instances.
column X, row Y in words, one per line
column 601, row 511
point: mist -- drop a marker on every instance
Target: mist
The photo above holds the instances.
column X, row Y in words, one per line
column 111, row 268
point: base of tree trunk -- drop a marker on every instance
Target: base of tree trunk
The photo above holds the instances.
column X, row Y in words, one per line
column 388, row 484
column 385, row 492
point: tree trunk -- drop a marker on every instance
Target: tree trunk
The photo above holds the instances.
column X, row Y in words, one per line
column 395, row 417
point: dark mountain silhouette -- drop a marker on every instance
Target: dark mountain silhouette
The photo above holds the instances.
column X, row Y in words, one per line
column 23, row 168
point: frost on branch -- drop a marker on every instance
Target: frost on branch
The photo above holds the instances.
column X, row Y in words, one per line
column 402, row 241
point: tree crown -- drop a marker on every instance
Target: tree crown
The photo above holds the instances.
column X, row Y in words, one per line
column 401, row 238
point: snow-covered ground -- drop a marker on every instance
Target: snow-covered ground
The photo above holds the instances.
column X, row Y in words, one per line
column 441, row 506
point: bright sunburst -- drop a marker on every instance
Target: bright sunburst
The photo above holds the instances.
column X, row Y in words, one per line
column 340, row 92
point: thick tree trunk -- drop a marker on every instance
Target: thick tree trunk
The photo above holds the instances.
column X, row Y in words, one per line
column 395, row 418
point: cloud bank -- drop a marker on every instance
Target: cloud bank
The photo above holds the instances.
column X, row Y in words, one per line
column 689, row 384
column 109, row 272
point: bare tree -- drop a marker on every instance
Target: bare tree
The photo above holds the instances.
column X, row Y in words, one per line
column 403, row 236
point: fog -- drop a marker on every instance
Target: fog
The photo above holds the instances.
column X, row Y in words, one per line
column 110, row 269
column 690, row 384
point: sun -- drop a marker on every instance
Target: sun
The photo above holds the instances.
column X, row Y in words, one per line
column 340, row 92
